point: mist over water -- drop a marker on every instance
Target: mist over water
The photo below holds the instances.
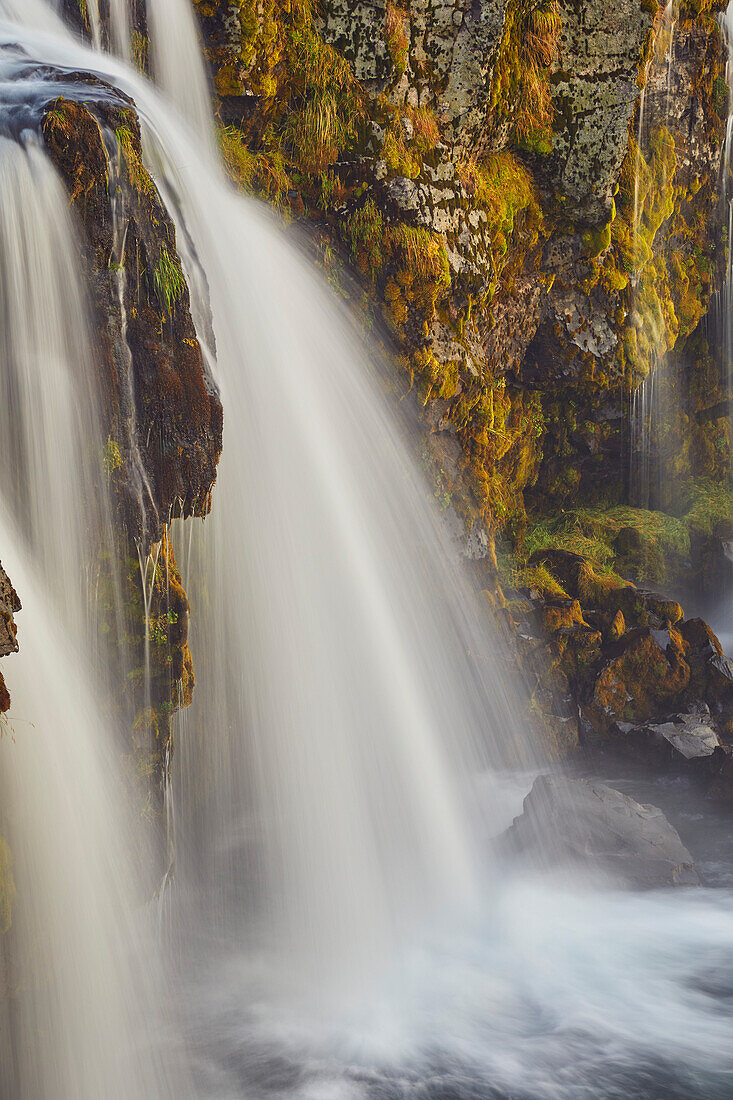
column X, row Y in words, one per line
column 338, row 928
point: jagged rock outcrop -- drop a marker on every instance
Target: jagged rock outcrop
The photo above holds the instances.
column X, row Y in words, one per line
column 620, row 669
column 160, row 411
column 163, row 417
column 594, row 91
column 9, row 605
column 590, row 828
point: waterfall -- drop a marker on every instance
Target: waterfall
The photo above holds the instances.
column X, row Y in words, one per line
column 355, row 709
column 336, row 929
column 175, row 56
column 338, row 742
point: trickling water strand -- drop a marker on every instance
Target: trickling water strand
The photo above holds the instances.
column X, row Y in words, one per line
column 650, row 402
column 641, row 395
column 137, row 475
column 671, row 15
column 119, row 28
column 642, row 446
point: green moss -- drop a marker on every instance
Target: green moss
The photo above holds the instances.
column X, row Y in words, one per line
column 644, row 546
column 311, row 105
column 139, row 50
column 503, row 187
column 263, row 172
column 111, row 458
column 710, row 503
column 597, row 240
column 539, row 578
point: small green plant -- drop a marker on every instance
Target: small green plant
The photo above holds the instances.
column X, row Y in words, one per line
column 136, row 170
column 168, row 280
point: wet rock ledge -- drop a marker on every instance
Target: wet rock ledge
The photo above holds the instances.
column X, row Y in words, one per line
column 9, row 604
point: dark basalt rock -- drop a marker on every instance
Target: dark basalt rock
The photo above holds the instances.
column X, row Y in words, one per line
column 590, row 827
column 161, row 411
column 9, row 604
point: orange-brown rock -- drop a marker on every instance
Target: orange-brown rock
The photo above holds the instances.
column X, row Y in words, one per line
column 640, row 680
column 561, row 614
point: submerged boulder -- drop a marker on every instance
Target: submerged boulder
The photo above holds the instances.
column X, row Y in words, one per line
column 591, row 827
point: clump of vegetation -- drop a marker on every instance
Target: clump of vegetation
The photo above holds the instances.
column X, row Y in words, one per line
column 540, row 578
column 139, row 50
column 396, row 39
column 642, row 545
column 502, row 186
column 410, row 134
column 137, row 172
column 311, row 105
column 710, row 503
column 168, row 280
column 263, row 172
column 521, row 92
column 325, row 102
column 592, row 533
column 111, row 457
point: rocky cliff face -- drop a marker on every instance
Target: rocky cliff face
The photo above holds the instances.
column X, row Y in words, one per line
column 536, row 240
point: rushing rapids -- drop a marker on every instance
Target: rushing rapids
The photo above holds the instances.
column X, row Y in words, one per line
column 336, row 928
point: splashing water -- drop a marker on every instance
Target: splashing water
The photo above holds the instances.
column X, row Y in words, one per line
column 338, row 932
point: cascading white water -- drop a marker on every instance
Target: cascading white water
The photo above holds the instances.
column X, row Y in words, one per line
column 177, row 63
column 46, row 402
column 356, row 707
column 175, row 56
column 78, row 1011
column 338, row 710
column 75, row 990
